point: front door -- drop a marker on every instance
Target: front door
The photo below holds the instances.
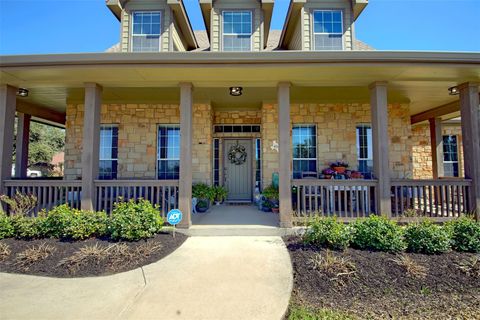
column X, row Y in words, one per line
column 238, row 169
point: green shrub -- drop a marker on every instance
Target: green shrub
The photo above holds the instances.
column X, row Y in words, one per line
column 378, row 233
column 86, row 224
column 465, row 234
column 426, row 237
column 134, row 220
column 58, row 220
column 6, row 228
column 68, row 223
column 203, row 191
column 28, row 227
column 328, row 232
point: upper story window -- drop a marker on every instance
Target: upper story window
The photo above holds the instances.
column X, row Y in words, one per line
column 146, row 31
column 450, row 156
column 237, row 30
column 108, row 152
column 364, row 150
column 328, row 29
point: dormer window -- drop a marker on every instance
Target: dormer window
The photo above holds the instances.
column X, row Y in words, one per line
column 237, row 31
column 328, row 29
column 146, row 31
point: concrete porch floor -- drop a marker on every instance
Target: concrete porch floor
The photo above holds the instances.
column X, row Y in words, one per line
column 235, row 220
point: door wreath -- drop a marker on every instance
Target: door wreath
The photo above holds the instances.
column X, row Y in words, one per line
column 237, row 154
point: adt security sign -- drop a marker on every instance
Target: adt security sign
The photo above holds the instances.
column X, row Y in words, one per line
column 174, row 217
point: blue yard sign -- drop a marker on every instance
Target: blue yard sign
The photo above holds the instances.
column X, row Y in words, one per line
column 174, row 217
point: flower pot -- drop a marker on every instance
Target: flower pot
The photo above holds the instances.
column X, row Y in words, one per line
column 340, row 169
column 275, row 210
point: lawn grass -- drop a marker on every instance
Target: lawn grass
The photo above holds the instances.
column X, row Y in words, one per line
column 304, row 313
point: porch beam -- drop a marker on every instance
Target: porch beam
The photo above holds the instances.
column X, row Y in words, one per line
column 7, row 118
column 186, row 128
column 37, row 111
column 470, row 113
column 436, row 142
column 91, row 143
column 22, row 143
column 381, row 169
column 285, row 155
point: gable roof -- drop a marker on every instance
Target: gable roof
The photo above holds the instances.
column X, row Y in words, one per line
column 179, row 12
column 266, row 5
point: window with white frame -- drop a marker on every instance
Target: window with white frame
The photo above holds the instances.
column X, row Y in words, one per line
column 108, row 156
column 450, row 156
column 146, row 29
column 364, row 149
column 328, row 29
column 168, row 154
column 304, row 140
column 237, row 30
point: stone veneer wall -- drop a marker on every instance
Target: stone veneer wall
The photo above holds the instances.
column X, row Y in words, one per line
column 336, row 134
column 422, row 151
column 137, row 138
column 238, row 117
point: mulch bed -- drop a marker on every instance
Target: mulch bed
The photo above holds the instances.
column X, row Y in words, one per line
column 381, row 289
column 107, row 257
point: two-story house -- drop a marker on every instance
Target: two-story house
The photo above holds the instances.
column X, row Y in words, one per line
column 244, row 106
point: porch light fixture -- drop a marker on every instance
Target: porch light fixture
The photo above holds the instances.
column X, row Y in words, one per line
column 236, row 91
column 453, row 91
column 22, row 92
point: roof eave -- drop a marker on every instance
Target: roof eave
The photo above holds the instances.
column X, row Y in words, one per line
column 206, row 8
column 184, row 23
column 267, row 7
column 115, row 7
column 358, row 7
column 293, row 10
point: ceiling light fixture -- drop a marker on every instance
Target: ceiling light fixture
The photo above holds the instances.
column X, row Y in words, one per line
column 236, row 91
column 22, row 92
column 453, row 91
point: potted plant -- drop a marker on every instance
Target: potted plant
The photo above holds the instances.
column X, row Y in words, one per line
column 204, row 194
column 328, row 173
column 339, row 166
column 220, row 194
column 271, row 195
column 266, row 206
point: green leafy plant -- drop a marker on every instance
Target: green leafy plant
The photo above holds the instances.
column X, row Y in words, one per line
column 271, row 193
column 134, row 220
column 378, row 233
column 19, row 204
column 328, row 232
column 203, row 191
column 57, row 221
column 465, row 234
column 220, row 193
column 427, row 237
column 6, row 228
column 28, row 227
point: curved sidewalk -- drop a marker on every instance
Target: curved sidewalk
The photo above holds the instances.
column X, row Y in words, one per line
column 206, row 278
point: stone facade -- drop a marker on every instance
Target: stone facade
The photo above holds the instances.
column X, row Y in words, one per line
column 336, row 135
column 137, row 138
column 422, row 150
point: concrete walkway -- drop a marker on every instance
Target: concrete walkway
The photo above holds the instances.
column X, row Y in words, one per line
column 206, row 278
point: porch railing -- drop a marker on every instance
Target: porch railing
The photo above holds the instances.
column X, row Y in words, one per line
column 431, row 198
column 163, row 193
column 49, row 193
column 341, row 198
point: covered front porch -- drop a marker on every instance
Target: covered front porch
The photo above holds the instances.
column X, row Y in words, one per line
column 194, row 101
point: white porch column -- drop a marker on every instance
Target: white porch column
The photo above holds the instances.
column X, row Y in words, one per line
column 186, row 128
column 381, row 169
column 91, row 142
column 8, row 105
column 284, row 155
column 436, row 142
column 23, row 139
column 470, row 113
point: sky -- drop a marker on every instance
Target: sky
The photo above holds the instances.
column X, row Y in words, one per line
column 69, row 26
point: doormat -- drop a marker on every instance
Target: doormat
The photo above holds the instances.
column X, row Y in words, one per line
column 239, row 203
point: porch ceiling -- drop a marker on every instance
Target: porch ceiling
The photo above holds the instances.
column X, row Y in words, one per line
column 419, row 78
